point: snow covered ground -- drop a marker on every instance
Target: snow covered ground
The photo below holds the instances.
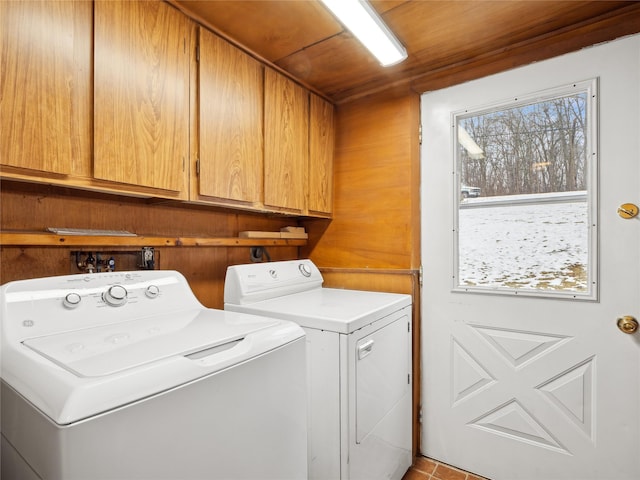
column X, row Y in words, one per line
column 525, row 246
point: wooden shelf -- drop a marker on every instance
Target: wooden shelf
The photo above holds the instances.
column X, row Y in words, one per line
column 52, row 240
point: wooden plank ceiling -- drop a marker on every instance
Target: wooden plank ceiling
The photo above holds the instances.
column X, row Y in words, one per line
column 447, row 41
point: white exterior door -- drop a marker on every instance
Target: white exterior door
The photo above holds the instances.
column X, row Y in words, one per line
column 536, row 386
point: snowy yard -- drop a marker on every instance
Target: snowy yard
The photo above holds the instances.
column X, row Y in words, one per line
column 524, row 246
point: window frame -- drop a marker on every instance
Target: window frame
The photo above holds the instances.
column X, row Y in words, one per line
column 590, row 87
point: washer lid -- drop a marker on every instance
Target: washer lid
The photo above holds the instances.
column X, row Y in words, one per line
column 336, row 310
column 109, row 349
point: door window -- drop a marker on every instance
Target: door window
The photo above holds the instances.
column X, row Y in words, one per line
column 526, row 195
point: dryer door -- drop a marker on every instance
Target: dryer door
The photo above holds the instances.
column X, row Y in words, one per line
column 383, row 371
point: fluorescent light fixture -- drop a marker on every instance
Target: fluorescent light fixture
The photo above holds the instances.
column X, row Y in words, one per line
column 469, row 144
column 364, row 22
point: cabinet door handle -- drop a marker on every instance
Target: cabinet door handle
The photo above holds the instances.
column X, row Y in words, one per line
column 365, row 349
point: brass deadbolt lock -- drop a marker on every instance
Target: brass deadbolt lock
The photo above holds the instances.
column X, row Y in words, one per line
column 628, row 210
column 627, row 324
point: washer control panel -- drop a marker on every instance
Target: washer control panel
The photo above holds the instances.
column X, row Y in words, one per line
column 259, row 281
column 50, row 305
column 305, row 270
column 115, row 295
column 72, row 300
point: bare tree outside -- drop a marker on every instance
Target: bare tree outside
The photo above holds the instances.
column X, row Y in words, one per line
column 537, row 148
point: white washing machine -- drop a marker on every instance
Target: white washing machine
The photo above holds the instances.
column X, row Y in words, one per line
column 359, row 365
column 125, row 375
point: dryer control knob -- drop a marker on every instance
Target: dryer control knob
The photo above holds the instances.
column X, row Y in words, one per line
column 304, row 269
column 152, row 291
column 72, row 300
column 115, row 296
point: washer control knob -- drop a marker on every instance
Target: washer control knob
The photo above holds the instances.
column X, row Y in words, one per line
column 152, row 291
column 304, row 269
column 72, row 300
column 115, row 296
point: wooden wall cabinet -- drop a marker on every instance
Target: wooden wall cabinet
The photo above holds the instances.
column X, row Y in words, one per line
column 230, row 147
column 286, row 143
column 45, row 89
column 141, row 96
column 284, row 164
column 321, row 149
column 299, row 145
column 225, row 131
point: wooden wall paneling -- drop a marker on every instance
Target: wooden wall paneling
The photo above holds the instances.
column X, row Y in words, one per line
column 414, row 128
column 286, row 142
column 280, row 37
column 141, row 95
column 43, row 208
column 18, row 263
column 25, row 208
column 39, row 207
column 374, row 280
column 45, row 86
column 303, row 39
column 34, row 208
column 605, row 27
column 241, row 255
column 204, row 269
column 230, row 107
column 375, row 222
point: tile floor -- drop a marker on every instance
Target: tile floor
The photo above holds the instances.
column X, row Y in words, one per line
column 427, row 469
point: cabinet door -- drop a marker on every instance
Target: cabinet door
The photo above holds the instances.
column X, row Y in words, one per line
column 141, row 94
column 321, row 146
column 45, row 86
column 231, row 96
column 286, row 149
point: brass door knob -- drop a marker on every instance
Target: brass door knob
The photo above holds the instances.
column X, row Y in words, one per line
column 628, row 210
column 627, row 324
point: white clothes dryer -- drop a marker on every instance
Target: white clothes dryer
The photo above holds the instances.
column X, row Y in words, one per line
column 125, row 375
column 359, row 365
